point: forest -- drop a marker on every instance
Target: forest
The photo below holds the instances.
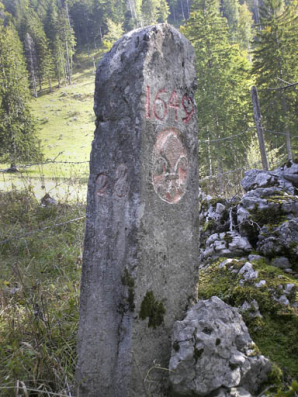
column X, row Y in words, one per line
column 238, row 45
column 48, row 55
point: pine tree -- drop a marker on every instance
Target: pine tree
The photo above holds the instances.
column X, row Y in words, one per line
column 244, row 32
column 17, row 136
column 115, row 31
column 275, row 65
column 81, row 14
column 163, row 11
column 68, row 38
column 34, row 27
column 230, row 9
column 223, row 89
column 55, row 37
column 32, row 63
column 149, row 11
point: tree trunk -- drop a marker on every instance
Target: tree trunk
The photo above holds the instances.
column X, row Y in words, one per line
column 287, row 131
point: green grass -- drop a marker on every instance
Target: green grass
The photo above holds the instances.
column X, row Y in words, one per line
column 65, row 127
column 276, row 333
column 39, row 293
column 65, row 117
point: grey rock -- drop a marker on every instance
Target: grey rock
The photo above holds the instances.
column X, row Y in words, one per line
column 239, row 392
column 289, row 172
column 141, row 241
column 233, row 392
column 281, row 241
column 282, row 262
column 283, row 300
column 257, row 178
column 288, row 288
column 48, row 201
column 248, row 273
column 280, row 178
column 254, row 257
column 261, row 283
column 220, row 208
column 251, row 307
column 229, row 244
column 212, row 349
column 242, row 215
column 226, row 262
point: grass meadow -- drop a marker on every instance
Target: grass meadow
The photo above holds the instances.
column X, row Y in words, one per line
column 41, row 245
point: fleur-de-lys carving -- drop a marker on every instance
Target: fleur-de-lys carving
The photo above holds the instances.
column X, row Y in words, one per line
column 170, row 166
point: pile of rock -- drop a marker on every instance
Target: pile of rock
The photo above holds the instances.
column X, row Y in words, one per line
column 265, row 219
column 212, row 351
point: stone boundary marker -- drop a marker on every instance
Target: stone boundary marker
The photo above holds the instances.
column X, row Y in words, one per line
column 141, row 244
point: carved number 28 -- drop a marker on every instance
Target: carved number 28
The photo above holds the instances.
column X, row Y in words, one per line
column 172, row 103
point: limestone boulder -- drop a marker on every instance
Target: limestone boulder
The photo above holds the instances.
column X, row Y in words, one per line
column 254, row 179
column 258, row 178
column 217, row 215
column 289, row 172
column 226, row 244
column 279, row 241
column 212, row 349
column 264, row 206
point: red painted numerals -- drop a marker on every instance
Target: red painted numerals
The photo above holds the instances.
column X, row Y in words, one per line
column 164, row 103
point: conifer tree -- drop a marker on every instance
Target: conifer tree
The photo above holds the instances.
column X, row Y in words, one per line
column 223, row 89
column 32, row 63
column 244, row 33
column 54, row 34
column 230, row 9
column 17, row 136
column 275, row 65
column 149, row 11
column 68, row 38
column 34, row 27
column 115, row 31
column 163, row 11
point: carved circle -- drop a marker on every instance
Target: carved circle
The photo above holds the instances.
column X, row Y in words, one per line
column 170, row 166
column 102, row 184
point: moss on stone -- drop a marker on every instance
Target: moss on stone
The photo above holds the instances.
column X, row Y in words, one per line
column 153, row 309
column 128, row 281
column 228, row 239
column 275, row 333
column 268, row 216
column 216, row 200
column 208, row 226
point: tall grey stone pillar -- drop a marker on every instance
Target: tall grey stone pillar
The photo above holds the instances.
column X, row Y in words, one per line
column 141, row 244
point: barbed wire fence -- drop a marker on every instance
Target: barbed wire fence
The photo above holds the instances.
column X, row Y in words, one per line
column 228, row 179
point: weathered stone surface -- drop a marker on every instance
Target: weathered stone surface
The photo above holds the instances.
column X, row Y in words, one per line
column 258, row 178
column 211, row 349
column 289, row 172
column 229, row 244
column 281, row 261
column 141, row 244
column 279, row 241
column 285, row 178
column 233, row 392
column 248, row 273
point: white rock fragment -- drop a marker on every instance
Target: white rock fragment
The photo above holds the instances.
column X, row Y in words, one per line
column 212, row 349
column 260, row 284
